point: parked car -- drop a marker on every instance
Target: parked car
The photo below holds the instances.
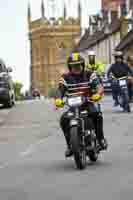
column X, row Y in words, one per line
column 7, row 95
column 106, row 82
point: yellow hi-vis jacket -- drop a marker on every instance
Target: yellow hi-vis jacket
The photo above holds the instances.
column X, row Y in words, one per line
column 98, row 66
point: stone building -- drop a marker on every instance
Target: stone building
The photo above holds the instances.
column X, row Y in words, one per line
column 50, row 42
column 126, row 44
column 102, row 36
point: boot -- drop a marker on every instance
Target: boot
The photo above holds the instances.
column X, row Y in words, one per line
column 68, row 152
column 103, row 144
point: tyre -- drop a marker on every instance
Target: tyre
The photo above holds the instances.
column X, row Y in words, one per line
column 78, row 151
column 93, row 154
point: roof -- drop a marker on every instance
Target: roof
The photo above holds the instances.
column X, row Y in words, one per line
column 125, row 42
column 88, row 41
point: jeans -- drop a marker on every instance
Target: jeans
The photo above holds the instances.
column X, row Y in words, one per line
column 115, row 91
column 130, row 90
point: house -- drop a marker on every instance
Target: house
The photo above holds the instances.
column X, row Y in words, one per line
column 103, row 40
column 126, row 44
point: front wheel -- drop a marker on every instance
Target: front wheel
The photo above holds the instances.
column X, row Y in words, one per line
column 77, row 148
column 125, row 102
column 93, row 154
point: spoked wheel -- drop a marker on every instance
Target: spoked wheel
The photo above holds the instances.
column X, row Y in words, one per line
column 78, row 151
column 93, row 154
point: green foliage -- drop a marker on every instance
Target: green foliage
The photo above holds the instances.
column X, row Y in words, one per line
column 17, row 89
column 51, row 92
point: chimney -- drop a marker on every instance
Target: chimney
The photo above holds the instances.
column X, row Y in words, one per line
column 119, row 11
column 64, row 12
column 42, row 10
column 29, row 14
column 90, row 25
column 128, row 5
column 91, row 29
column 109, row 16
column 79, row 12
column 99, row 24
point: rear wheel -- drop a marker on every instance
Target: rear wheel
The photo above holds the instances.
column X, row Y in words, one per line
column 78, row 151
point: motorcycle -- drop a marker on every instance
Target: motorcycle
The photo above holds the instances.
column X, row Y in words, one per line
column 123, row 97
column 82, row 133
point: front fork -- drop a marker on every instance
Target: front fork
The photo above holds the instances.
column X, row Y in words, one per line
column 80, row 123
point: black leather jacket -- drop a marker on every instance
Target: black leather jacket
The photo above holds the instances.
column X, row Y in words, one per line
column 119, row 70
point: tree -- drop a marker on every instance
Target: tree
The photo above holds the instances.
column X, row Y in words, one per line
column 52, row 92
column 17, row 89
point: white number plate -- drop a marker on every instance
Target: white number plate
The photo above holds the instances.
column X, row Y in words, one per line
column 74, row 101
column 106, row 84
column 122, row 82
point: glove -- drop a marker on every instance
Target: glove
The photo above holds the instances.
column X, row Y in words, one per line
column 96, row 97
column 58, row 102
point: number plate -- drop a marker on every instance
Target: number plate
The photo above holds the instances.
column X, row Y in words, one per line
column 122, row 82
column 74, row 101
column 107, row 84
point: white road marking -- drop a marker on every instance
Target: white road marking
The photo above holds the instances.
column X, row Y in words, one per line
column 20, row 126
column 31, row 148
column 3, row 166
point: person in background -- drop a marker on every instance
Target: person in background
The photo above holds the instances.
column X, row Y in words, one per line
column 118, row 69
column 94, row 64
column 130, row 81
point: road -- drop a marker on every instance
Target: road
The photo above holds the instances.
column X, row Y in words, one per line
column 33, row 166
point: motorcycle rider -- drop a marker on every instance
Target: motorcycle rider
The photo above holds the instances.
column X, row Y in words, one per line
column 77, row 74
column 118, row 69
column 130, row 81
column 95, row 65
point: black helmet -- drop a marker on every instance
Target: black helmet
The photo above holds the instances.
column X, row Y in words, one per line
column 118, row 54
column 75, row 59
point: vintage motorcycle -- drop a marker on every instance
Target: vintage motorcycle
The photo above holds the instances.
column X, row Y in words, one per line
column 123, row 97
column 82, row 133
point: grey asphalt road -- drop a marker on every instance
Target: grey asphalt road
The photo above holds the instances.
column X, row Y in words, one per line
column 32, row 163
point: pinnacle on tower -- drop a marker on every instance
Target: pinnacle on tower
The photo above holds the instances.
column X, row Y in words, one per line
column 79, row 11
column 29, row 13
column 65, row 11
column 42, row 10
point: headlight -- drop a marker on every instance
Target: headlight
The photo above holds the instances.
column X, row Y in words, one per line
column 70, row 114
column 75, row 101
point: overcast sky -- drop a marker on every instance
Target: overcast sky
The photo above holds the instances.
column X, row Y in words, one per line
column 14, row 45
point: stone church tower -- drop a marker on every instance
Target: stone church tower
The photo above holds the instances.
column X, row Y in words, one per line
column 51, row 41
